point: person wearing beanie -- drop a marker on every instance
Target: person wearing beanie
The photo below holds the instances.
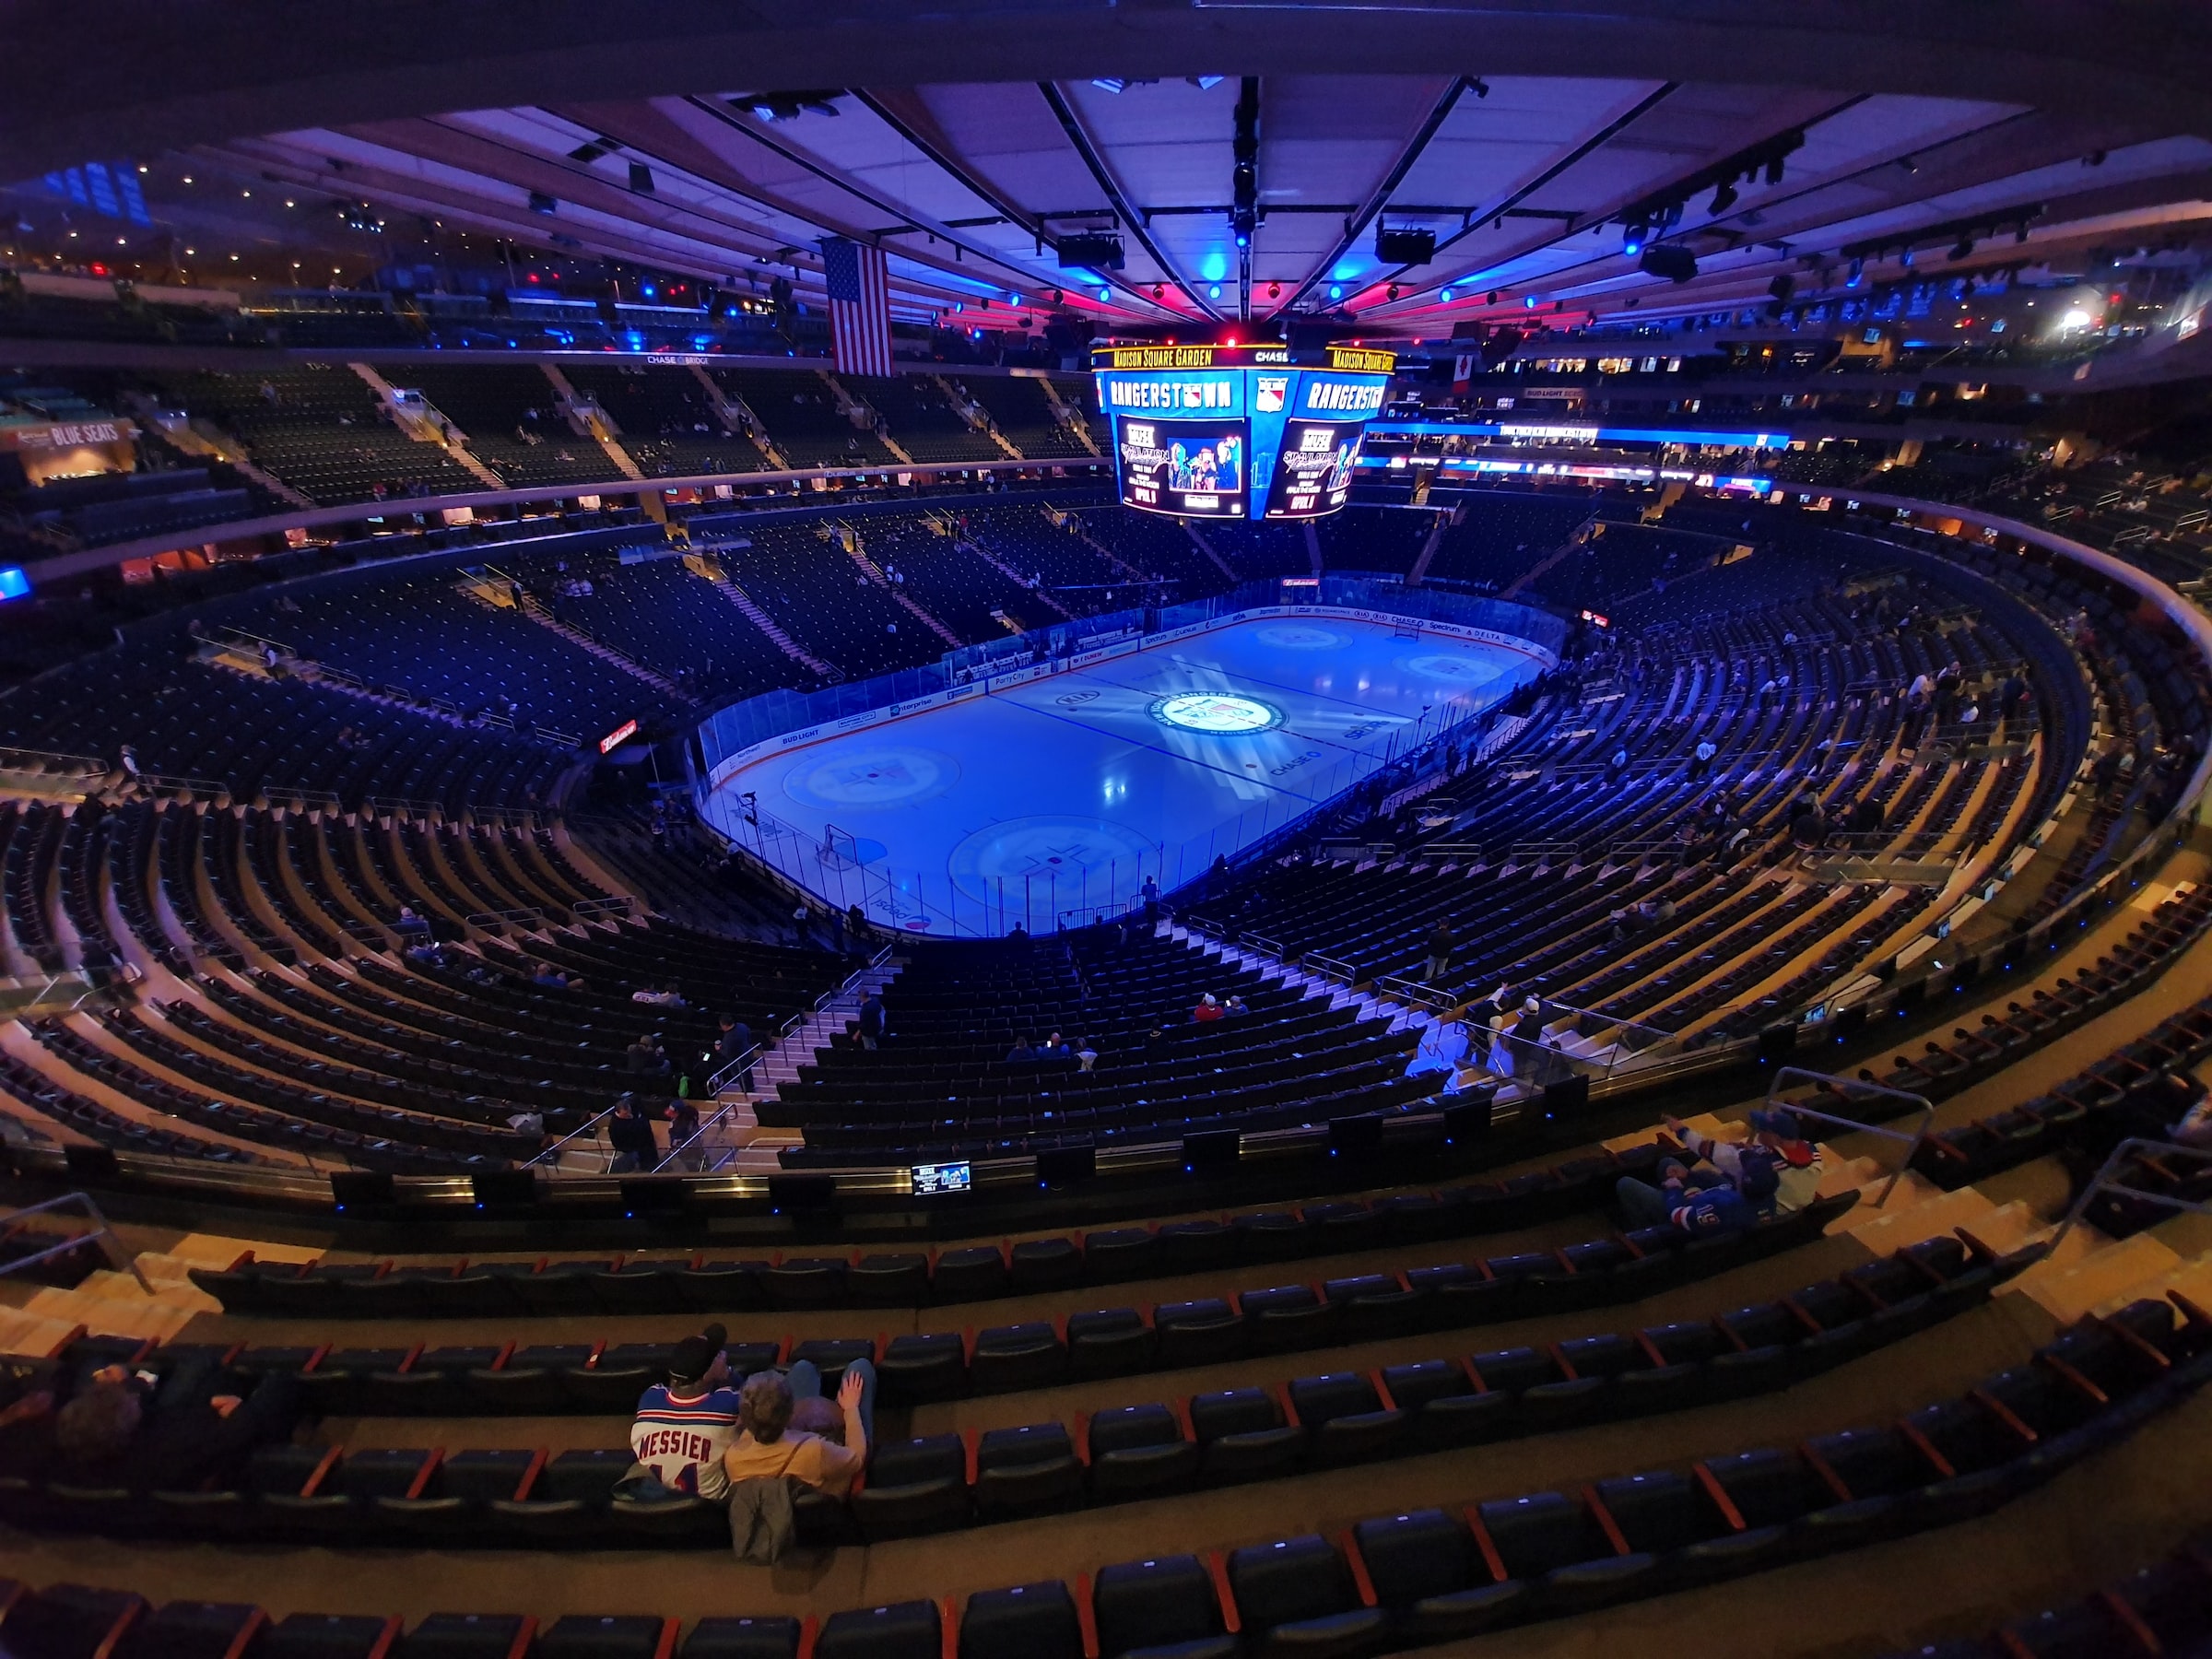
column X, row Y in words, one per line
column 1777, row 1169
column 685, row 1425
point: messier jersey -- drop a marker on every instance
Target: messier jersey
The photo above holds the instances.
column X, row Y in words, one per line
column 681, row 1438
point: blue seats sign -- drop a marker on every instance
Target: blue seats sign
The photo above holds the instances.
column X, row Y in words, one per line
column 933, row 1179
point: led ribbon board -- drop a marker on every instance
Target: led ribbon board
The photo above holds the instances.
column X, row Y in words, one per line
column 1239, row 431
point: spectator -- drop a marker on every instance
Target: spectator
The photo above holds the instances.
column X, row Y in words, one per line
column 736, row 1043
column 686, row 1425
column 768, row 1448
column 1527, row 1035
column 1235, row 1006
column 410, row 924
column 644, row 1058
column 1776, row 1168
column 667, row 996
column 1023, row 1052
column 683, row 1131
column 199, row 1423
column 1440, row 940
column 1054, row 1047
column 817, row 1416
column 630, row 1133
column 1206, row 1010
column 1086, row 1053
column 871, row 1022
column 1149, row 895
column 1701, row 759
column 1703, row 1211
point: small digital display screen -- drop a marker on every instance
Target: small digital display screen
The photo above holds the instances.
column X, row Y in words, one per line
column 1197, row 468
column 941, row 1178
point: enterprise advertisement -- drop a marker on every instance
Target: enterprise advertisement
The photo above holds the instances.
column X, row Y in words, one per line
column 1196, row 468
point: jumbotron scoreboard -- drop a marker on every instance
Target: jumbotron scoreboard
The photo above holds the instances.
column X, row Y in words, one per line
column 1239, row 431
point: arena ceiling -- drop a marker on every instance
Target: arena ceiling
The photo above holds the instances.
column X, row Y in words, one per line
column 725, row 141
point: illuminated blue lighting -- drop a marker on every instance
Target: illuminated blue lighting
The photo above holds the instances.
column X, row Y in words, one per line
column 1530, row 302
column 1346, row 271
column 1447, row 296
column 1336, row 290
column 1214, row 292
column 649, row 291
column 1105, row 292
column 1214, row 266
column 14, row 584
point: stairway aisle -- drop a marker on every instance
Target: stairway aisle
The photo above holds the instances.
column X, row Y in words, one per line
column 738, row 1145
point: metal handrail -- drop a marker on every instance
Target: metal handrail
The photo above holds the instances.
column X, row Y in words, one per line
column 2107, row 1181
column 488, row 920
column 23, row 760
column 1848, row 1086
column 549, row 1157
column 603, row 907
column 110, row 1245
column 718, row 1080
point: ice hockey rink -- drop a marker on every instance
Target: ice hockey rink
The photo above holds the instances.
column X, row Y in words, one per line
column 1054, row 800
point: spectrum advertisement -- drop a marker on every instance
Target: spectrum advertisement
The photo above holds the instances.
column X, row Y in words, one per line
column 1239, row 431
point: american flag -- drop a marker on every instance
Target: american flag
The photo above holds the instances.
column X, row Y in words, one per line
column 860, row 306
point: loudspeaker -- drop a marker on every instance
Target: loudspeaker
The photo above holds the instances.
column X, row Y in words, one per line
column 801, row 1192
column 1567, row 1101
column 652, row 1195
column 1676, row 264
column 1404, row 247
column 1355, row 1135
column 504, row 1186
column 352, row 1188
column 1059, row 1165
column 1467, row 1120
column 1094, row 250
column 91, row 1163
column 1210, row 1151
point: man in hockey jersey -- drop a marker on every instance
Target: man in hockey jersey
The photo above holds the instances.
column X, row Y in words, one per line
column 685, row 1425
column 1705, row 1206
column 1778, row 1170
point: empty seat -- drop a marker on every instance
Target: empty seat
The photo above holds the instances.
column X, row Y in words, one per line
column 1167, row 1601
column 1296, row 1596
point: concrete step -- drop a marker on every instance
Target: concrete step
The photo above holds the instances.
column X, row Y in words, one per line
column 2109, row 1271
column 219, row 1251
column 160, row 1317
column 28, row 1335
column 1916, row 1210
column 2191, row 1280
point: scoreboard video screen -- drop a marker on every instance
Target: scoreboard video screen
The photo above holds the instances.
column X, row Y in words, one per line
column 1239, row 431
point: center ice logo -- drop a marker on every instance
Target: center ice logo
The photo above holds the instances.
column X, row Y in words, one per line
column 1216, row 713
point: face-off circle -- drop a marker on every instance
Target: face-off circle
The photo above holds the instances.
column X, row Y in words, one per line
column 1217, row 714
column 1454, row 668
column 865, row 773
column 1298, row 636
